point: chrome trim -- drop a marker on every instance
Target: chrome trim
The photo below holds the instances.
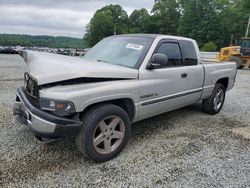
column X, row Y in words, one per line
column 208, row 87
column 168, row 97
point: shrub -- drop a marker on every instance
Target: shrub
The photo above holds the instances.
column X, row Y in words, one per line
column 209, row 47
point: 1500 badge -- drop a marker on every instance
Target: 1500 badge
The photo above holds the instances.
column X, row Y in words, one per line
column 149, row 95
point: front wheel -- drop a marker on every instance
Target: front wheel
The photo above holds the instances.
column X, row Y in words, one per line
column 105, row 132
column 215, row 102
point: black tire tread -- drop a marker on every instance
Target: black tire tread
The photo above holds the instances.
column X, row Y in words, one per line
column 207, row 105
column 88, row 117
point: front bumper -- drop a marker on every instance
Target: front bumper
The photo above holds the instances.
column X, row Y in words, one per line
column 43, row 124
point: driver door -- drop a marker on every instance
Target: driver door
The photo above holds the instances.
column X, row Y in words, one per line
column 165, row 87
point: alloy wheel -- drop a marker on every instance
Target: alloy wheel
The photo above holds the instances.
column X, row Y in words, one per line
column 108, row 134
column 218, row 99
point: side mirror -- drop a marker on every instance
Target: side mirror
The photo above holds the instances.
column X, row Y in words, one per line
column 158, row 60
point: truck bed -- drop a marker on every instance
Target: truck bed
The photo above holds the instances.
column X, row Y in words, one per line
column 215, row 71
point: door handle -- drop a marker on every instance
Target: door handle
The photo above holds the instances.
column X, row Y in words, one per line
column 184, row 75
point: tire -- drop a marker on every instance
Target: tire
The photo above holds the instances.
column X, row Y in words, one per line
column 241, row 67
column 105, row 132
column 214, row 103
column 237, row 60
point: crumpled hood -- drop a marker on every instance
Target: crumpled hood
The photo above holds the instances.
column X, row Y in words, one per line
column 48, row 68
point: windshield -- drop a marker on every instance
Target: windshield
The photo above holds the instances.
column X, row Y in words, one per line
column 124, row 51
column 246, row 43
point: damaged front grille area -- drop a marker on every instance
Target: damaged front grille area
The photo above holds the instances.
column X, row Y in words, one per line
column 31, row 88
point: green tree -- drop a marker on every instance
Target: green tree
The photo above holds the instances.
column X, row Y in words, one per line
column 166, row 14
column 232, row 23
column 213, row 20
column 100, row 26
column 109, row 20
column 120, row 17
column 209, row 47
column 139, row 20
column 246, row 6
column 40, row 41
column 204, row 21
column 199, row 20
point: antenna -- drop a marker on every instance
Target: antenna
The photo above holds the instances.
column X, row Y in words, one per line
column 247, row 31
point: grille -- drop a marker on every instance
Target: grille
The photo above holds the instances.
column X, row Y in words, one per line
column 31, row 88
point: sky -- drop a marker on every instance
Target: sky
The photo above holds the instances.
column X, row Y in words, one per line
column 56, row 17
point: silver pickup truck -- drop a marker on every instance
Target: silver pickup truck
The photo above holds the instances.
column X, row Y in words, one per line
column 121, row 80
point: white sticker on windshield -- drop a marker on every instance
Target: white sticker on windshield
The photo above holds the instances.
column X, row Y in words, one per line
column 134, row 46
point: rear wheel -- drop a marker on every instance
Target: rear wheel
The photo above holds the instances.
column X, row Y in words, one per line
column 105, row 132
column 237, row 60
column 215, row 102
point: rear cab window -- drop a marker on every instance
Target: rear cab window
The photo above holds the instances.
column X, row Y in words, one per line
column 189, row 54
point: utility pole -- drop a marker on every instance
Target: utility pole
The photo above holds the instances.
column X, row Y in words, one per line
column 231, row 41
column 247, row 31
column 114, row 30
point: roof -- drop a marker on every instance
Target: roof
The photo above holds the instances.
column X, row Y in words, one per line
column 154, row 36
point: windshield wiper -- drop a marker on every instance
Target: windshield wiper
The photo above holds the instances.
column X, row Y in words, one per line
column 99, row 60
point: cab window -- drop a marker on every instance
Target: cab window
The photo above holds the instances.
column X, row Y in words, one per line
column 226, row 52
column 172, row 50
column 245, row 43
column 189, row 53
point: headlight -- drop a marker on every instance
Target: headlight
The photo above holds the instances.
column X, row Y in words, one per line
column 56, row 105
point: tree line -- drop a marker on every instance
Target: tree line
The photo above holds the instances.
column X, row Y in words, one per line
column 40, row 41
column 212, row 23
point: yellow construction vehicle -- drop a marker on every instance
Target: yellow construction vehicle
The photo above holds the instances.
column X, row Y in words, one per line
column 238, row 54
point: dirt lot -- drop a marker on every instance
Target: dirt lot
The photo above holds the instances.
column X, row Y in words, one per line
column 184, row 148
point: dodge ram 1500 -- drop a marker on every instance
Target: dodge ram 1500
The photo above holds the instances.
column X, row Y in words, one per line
column 121, row 80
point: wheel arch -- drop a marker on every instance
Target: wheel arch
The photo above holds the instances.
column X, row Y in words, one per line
column 224, row 81
column 126, row 104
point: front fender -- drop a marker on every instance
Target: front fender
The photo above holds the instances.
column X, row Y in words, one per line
column 106, row 98
column 84, row 95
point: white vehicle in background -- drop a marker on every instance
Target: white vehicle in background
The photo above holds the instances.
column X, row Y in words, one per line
column 121, row 80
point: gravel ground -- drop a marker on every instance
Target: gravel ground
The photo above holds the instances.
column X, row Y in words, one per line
column 184, row 148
